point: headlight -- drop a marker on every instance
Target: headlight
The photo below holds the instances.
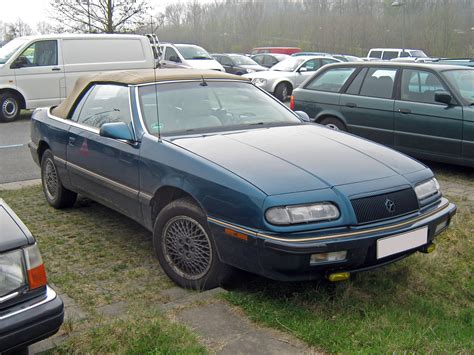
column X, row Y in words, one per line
column 427, row 189
column 12, row 275
column 259, row 82
column 285, row 215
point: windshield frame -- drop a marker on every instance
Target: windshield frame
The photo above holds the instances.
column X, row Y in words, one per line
column 454, row 88
column 16, row 49
column 209, row 131
column 179, row 48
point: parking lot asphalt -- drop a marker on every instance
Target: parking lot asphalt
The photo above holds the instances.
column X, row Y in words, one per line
column 16, row 163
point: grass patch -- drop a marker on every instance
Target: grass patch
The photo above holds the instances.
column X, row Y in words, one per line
column 421, row 304
column 99, row 257
column 139, row 334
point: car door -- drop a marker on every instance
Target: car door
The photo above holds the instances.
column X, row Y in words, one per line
column 422, row 125
column 228, row 64
column 39, row 74
column 368, row 103
column 104, row 168
column 171, row 58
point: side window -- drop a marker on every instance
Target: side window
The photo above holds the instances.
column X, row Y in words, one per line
column 379, row 83
column 420, row 86
column 103, row 104
column 354, row 87
column 226, row 61
column 258, row 59
column 269, row 61
column 40, row 54
column 312, row 65
column 332, row 80
column 387, row 55
column 375, row 54
column 328, row 61
column 171, row 55
column 405, row 54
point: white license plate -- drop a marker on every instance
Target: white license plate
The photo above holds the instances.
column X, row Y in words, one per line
column 402, row 242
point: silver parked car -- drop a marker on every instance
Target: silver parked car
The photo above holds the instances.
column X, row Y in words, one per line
column 283, row 77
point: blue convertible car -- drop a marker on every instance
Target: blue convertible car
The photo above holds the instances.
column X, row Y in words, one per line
column 226, row 176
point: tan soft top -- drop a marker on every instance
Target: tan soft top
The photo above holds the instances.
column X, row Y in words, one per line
column 135, row 77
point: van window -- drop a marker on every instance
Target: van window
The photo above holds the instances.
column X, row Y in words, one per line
column 379, row 83
column 387, row 55
column 102, row 50
column 103, row 104
column 420, row 86
column 375, row 54
column 332, row 80
column 40, row 54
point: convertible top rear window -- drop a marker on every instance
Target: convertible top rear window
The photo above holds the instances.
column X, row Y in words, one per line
column 190, row 107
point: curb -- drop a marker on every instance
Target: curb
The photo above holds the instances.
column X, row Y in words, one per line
column 20, row 184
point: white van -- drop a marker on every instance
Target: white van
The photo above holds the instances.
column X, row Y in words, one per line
column 41, row 70
column 391, row 53
column 187, row 56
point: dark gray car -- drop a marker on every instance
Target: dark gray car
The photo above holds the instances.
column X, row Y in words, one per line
column 238, row 64
column 29, row 309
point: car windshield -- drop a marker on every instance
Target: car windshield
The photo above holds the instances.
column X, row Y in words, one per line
column 242, row 60
column 10, row 48
column 418, row 54
column 193, row 52
column 197, row 107
column 463, row 81
column 289, row 64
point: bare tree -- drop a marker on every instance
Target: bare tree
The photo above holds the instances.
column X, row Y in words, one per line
column 15, row 29
column 44, row 28
column 99, row 16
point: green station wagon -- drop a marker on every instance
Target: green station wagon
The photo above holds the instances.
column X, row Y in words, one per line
column 424, row 110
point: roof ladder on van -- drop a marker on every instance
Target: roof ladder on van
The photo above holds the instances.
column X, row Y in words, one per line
column 155, row 46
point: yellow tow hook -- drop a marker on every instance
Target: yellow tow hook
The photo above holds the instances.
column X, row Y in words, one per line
column 339, row 276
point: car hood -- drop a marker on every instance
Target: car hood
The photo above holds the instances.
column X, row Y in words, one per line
column 269, row 74
column 304, row 157
column 12, row 235
column 204, row 64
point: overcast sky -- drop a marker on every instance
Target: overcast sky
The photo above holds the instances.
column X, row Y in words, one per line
column 34, row 11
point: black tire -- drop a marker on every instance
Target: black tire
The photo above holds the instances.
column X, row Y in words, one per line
column 282, row 91
column 56, row 194
column 333, row 123
column 9, row 107
column 190, row 260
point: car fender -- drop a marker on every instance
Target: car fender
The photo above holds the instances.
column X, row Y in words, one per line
column 333, row 113
column 13, row 87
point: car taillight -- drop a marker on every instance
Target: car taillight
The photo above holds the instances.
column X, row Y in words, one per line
column 292, row 102
column 35, row 267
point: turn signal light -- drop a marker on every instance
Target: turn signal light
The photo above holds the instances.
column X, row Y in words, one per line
column 292, row 102
column 35, row 267
column 339, row 276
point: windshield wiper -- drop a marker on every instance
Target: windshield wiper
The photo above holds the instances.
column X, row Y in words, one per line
column 200, row 57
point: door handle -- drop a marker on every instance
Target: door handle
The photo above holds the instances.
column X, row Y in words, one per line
column 404, row 110
column 72, row 140
column 56, row 69
column 351, row 104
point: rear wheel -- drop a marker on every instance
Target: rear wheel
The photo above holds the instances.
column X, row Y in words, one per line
column 333, row 123
column 282, row 91
column 185, row 247
column 56, row 194
column 9, row 107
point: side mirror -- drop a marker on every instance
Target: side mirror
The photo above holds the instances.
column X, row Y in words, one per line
column 174, row 58
column 302, row 70
column 20, row 62
column 116, row 130
column 443, row 97
column 303, row 115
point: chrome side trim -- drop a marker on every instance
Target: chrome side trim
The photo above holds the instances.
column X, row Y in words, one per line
column 72, row 123
column 60, row 161
column 332, row 236
column 9, row 297
column 50, row 295
column 116, row 185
